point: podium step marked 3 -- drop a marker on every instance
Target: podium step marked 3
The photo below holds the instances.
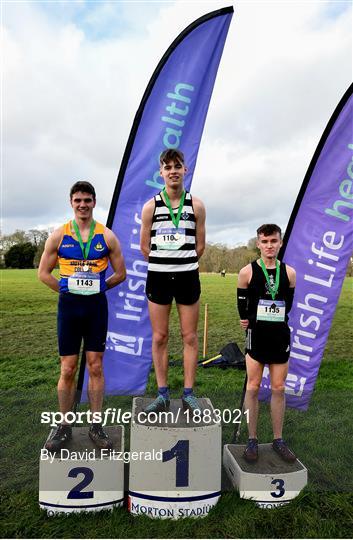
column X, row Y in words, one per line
column 270, row 482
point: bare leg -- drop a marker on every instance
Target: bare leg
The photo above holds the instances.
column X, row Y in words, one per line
column 159, row 316
column 278, row 374
column 254, row 371
column 189, row 316
column 96, row 380
column 66, row 383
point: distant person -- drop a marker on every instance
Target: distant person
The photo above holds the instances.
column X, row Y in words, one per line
column 173, row 240
column 265, row 296
column 83, row 248
column 223, row 273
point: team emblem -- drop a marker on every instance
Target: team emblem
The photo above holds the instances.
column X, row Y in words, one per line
column 98, row 247
column 271, row 285
column 185, row 215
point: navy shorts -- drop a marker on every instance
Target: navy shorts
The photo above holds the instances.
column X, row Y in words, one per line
column 82, row 317
column 162, row 287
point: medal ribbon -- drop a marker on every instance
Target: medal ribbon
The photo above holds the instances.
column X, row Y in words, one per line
column 85, row 250
column 175, row 219
column 273, row 290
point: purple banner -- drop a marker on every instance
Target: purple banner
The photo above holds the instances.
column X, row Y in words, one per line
column 172, row 114
column 318, row 244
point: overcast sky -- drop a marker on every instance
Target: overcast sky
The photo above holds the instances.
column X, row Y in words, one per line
column 74, row 74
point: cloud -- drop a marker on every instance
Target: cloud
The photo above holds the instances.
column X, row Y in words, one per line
column 74, row 75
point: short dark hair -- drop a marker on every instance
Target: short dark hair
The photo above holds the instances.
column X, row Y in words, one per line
column 83, row 186
column 171, row 155
column 268, row 229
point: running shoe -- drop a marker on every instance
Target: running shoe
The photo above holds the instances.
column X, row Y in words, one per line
column 99, row 437
column 190, row 403
column 160, row 404
column 251, row 452
column 62, row 434
column 281, row 448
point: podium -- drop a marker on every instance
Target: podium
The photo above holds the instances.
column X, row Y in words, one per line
column 178, row 470
column 80, row 477
column 270, row 481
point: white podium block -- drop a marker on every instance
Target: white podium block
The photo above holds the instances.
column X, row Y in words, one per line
column 183, row 476
column 270, row 482
column 80, row 477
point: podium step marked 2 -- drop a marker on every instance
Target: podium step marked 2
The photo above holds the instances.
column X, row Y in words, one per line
column 270, row 482
column 186, row 479
column 80, row 477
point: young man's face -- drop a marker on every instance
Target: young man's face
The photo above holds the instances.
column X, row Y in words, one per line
column 83, row 204
column 269, row 246
column 173, row 173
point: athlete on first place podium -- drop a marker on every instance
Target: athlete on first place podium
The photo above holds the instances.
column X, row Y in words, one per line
column 173, row 240
column 265, row 296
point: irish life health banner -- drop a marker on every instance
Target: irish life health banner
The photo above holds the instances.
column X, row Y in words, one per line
column 319, row 243
column 171, row 115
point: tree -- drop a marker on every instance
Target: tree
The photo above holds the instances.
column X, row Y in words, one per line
column 37, row 237
column 20, row 255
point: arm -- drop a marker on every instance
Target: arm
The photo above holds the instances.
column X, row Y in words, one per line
column 116, row 260
column 200, row 218
column 146, row 224
column 48, row 260
column 291, row 276
column 244, row 278
column 292, row 280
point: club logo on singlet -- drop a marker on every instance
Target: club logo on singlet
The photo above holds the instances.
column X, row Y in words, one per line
column 98, row 247
column 185, row 215
column 272, row 284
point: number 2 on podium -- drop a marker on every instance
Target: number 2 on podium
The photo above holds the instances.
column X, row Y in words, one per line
column 76, row 492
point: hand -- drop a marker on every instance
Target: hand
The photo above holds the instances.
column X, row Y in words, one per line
column 244, row 323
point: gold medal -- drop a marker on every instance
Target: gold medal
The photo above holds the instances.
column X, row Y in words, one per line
column 176, row 236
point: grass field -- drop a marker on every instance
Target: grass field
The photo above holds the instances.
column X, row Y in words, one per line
column 322, row 436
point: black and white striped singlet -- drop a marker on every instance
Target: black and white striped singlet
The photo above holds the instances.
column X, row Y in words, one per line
column 184, row 258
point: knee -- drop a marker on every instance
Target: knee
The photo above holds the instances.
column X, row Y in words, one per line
column 68, row 372
column 95, row 368
column 160, row 338
column 252, row 388
column 190, row 339
column 278, row 388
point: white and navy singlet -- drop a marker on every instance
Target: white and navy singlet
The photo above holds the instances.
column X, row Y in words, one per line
column 173, row 249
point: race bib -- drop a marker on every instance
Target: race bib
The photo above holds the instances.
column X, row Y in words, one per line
column 170, row 238
column 271, row 310
column 84, row 283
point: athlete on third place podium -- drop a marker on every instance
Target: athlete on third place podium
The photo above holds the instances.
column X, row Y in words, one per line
column 265, row 296
column 173, row 240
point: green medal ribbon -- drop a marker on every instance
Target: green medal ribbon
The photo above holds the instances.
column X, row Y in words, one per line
column 85, row 250
column 175, row 219
column 273, row 290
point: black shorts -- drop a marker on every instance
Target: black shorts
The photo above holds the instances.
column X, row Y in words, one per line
column 268, row 342
column 162, row 287
column 82, row 317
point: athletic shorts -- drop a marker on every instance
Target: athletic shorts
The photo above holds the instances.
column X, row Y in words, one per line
column 82, row 317
column 162, row 287
column 268, row 342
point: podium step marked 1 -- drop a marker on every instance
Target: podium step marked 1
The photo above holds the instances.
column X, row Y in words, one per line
column 186, row 479
column 270, row 482
column 80, row 477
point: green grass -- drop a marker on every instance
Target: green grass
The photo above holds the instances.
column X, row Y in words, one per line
column 322, row 436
